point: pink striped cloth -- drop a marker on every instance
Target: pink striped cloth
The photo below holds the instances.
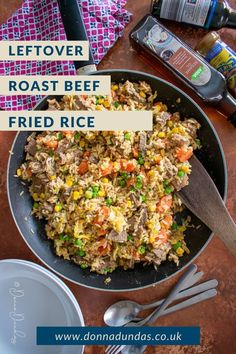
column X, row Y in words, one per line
column 105, row 21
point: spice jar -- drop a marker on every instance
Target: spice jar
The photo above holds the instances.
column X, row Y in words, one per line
column 220, row 56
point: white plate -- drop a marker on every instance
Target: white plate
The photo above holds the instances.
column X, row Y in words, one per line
column 31, row 296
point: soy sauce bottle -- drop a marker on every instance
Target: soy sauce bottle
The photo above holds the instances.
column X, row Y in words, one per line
column 150, row 36
column 203, row 13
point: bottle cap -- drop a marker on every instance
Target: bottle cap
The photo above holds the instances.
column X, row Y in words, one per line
column 206, row 43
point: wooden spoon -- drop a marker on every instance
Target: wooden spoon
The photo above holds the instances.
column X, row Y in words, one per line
column 203, row 199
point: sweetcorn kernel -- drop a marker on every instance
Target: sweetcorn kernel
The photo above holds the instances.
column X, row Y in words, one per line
column 77, row 195
column 151, row 174
column 82, row 143
column 152, row 207
column 101, row 193
column 98, row 108
column 170, row 123
column 150, row 224
column 152, row 239
column 157, row 108
column 161, row 135
column 175, row 130
column 129, row 203
column 162, row 152
column 52, row 178
column 105, row 180
column 114, row 87
column 42, row 195
column 106, row 104
column 180, row 251
column 35, row 196
column 58, row 208
column 182, row 228
column 69, row 181
column 147, row 165
column 142, row 94
column 19, row 172
column 185, row 169
column 101, row 100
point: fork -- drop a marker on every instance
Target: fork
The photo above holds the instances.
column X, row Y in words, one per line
column 136, row 349
column 157, row 313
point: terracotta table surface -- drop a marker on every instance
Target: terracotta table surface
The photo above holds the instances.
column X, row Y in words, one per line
column 215, row 317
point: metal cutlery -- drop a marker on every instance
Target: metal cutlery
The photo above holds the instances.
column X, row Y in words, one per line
column 136, row 308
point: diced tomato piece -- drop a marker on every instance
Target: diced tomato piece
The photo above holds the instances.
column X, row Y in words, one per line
column 158, row 159
column 69, row 133
column 167, row 222
column 164, row 204
column 83, row 167
column 127, row 166
column 108, row 170
column 102, row 232
column 135, row 152
column 184, row 154
column 86, row 154
column 162, row 236
column 130, row 182
column 130, row 167
column 102, row 216
column 52, row 144
column 105, row 211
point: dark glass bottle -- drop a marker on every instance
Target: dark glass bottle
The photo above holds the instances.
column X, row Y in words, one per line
column 202, row 13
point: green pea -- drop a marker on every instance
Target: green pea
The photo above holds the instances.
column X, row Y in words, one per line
column 122, row 182
column 181, row 174
column 107, row 270
column 166, row 183
column 176, row 245
column 59, row 136
column 124, row 175
column 83, row 266
column 109, row 201
column 141, row 249
column 116, row 104
column 130, row 237
column 36, row 205
column 79, row 242
column 64, row 237
column 140, row 160
column 168, row 190
column 95, row 190
column 88, row 194
column 174, row 226
column 143, row 198
column 198, row 142
column 127, row 136
column 77, row 136
column 138, row 185
column 80, row 253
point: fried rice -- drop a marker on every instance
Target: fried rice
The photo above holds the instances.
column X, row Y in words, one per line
column 109, row 198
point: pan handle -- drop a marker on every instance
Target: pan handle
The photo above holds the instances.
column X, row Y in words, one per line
column 75, row 31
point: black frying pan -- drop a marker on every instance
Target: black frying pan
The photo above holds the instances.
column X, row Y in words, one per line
column 32, row 230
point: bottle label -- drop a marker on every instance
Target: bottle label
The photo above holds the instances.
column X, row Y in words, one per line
column 194, row 12
column 223, row 59
column 173, row 52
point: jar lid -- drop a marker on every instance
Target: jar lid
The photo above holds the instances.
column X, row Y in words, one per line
column 206, row 43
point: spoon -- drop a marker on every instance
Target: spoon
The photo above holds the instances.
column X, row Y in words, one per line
column 202, row 197
column 125, row 311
